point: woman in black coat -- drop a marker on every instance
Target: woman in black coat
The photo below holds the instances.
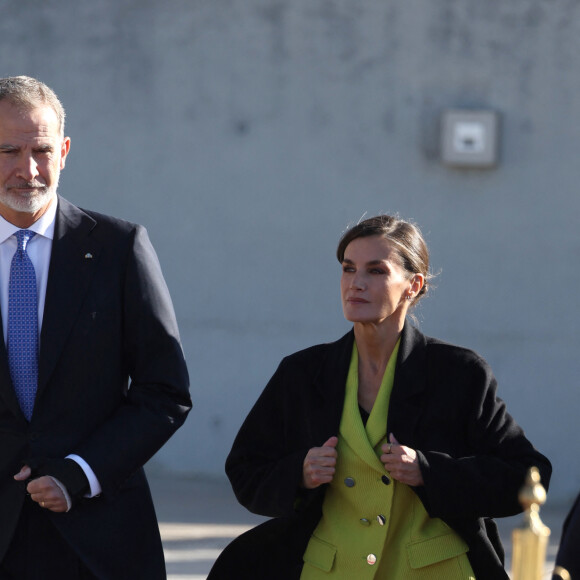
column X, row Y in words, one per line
column 453, row 452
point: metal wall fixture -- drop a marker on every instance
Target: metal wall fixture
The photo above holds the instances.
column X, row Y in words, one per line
column 469, row 138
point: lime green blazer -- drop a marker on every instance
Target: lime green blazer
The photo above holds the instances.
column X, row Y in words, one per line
column 371, row 530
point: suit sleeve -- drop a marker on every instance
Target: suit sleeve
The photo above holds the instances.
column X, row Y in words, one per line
column 485, row 478
column 567, row 556
column 157, row 400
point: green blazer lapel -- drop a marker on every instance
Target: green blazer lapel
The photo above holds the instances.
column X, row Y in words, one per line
column 352, row 429
column 355, row 436
column 409, row 386
column 72, row 264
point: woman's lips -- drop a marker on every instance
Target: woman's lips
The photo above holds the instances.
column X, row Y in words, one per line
column 357, row 301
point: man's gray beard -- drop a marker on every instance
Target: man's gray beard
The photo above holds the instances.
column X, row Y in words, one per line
column 28, row 203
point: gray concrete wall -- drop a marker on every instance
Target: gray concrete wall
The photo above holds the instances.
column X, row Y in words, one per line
column 247, row 135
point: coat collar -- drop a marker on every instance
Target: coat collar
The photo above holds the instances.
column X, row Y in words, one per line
column 408, row 388
column 330, row 379
column 329, row 382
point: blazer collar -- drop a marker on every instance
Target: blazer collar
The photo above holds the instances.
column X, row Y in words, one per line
column 72, row 265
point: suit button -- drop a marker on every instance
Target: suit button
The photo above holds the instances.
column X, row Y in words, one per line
column 386, row 480
column 349, row 482
column 365, row 522
column 371, row 559
column 34, row 436
column 381, row 519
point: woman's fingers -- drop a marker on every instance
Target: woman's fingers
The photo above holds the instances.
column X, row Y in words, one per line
column 319, row 464
column 401, row 462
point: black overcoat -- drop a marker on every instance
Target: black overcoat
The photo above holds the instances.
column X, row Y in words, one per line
column 473, row 456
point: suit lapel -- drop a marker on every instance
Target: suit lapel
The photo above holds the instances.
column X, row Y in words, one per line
column 72, row 264
column 6, row 388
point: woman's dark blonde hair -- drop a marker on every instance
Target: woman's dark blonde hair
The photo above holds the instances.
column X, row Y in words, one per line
column 406, row 239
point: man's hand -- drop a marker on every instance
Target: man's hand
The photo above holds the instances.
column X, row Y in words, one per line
column 44, row 491
column 318, row 467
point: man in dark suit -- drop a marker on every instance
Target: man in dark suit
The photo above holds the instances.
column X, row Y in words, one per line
column 92, row 384
column 568, row 558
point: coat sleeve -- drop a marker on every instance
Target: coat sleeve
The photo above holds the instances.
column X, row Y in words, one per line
column 157, row 400
column 265, row 463
column 481, row 472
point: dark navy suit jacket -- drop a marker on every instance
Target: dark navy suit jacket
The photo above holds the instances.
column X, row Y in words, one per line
column 568, row 556
column 113, row 387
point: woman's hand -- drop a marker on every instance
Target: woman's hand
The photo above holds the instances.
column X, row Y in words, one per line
column 318, row 467
column 401, row 462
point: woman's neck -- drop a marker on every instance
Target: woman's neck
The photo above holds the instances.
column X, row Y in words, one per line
column 375, row 345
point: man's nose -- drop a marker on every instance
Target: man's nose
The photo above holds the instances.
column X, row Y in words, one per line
column 28, row 168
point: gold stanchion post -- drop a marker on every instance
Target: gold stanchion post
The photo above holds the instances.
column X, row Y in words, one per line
column 530, row 540
column 562, row 573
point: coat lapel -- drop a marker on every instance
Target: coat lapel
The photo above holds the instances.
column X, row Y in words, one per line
column 409, row 386
column 330, row 382
column 72, row 264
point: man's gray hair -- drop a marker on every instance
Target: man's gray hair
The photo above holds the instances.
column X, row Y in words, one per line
column 28, row 93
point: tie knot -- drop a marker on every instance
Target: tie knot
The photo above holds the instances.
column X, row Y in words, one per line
column 23, row 237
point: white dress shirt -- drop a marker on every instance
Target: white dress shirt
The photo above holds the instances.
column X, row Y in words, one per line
column 39, row 250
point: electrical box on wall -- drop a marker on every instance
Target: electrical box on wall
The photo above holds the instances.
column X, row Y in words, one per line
column 469, row 138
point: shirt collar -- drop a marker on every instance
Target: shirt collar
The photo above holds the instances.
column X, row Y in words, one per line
column 43, row 225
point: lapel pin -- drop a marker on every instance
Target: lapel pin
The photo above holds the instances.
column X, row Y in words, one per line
column 88, row 256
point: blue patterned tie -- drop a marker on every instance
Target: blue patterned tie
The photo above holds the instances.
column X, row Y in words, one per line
column 23, row 325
